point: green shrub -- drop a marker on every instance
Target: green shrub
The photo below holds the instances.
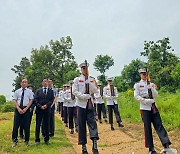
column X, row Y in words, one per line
column 2, row 99
column 7, row 107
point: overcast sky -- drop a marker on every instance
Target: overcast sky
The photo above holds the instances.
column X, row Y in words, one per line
column 114, row 27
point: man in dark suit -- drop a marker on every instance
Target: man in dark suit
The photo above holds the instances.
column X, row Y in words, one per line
column 44, row 98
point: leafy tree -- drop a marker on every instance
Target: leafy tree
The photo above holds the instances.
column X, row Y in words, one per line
column 102, row 64
column 161, row 62
column 20, row 71
column 129, row 75
column 50, row 61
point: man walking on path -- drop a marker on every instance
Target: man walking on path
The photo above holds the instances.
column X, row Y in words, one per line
column 145, row 92
column 111, row 94
column 83, row 87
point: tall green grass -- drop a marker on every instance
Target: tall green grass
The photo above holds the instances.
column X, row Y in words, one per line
column 168, row 105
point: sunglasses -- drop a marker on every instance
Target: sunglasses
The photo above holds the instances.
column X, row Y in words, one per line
column 83, row 67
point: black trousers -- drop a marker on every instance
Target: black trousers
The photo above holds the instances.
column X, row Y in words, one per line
column 101, row 108
column 95, row 109
column 72, row 117
column 86, row 115
column 42, row 117
column 148, row 117
column 61, row 108
column 65, row 112
column 116, row 112
column 18, row 119
column 21, row 129
column 52, row 122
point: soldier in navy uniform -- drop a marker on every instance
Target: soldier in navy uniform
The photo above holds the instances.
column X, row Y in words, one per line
column 147, row 104
column 111, row 94
column 83, row 87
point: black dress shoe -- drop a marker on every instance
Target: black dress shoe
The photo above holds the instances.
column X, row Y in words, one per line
column 120, row 124
column 84, row 152
column 66, row 125
column 76, row 130
column 47, row 143
column 100, row 121
column 112, row 128
column 95, row 151
column 72, row 131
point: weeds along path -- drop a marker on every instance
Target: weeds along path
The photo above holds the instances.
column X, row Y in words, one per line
column 127, row 140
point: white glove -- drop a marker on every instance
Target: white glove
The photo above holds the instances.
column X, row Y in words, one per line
column 149, row 101
column 88, row 80
column 86, row 96
column 149, row 86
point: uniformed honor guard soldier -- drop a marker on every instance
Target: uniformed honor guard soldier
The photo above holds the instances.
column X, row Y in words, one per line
column 100, row 103
column 44, row 98
column 111, row 94
column 145, row 92
column 22, row 99
column 59, row 100
column 65, row 104
column 83, row 87
column 72, row 114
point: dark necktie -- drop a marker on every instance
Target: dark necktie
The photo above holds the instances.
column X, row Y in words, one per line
column 22, row 97
column 45, row 90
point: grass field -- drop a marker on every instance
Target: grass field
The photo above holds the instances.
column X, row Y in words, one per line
column 59, row 143
column 168, row 104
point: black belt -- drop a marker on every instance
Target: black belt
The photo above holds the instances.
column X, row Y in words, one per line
column 146, row 97
column 22, row 107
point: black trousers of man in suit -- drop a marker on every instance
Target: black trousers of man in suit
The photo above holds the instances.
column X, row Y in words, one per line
column 18, row 119
column 116, row 111
column 86, row 115
column 101, row 108
column 72, row 117
column 52, row 122
column 42, row 117
column 148, row 117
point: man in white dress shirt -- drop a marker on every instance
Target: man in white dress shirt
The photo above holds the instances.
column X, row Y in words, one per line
column 22, row 99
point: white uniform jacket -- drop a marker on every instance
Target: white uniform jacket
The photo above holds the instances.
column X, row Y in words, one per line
column 60, row 97
column 65, row 96
column 68, row 99
column 110, row 100
column 141, row 94
column 79, row 90
column 98, row 98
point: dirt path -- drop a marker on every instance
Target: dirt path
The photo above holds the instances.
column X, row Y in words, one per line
column 127, row 140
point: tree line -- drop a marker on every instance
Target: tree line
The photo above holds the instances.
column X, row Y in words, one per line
column 56, row 61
